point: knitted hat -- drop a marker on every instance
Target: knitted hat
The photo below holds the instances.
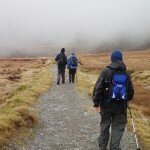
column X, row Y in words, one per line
column 62, row 50
column 116, row 55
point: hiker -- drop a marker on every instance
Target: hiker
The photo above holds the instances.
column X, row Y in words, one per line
column 72, row 65
column 61, row 62
column 111, row 94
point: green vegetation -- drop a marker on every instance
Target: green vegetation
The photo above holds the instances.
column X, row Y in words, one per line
column 17, row 112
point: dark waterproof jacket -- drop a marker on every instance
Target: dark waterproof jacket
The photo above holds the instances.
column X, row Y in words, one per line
column 100, row 95
column 61, row 67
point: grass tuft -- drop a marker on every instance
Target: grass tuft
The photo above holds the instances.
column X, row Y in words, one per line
column 17, row 113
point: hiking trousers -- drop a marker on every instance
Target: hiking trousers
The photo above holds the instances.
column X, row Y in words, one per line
column 117, row 122
column 72, row 73
column 61, row 74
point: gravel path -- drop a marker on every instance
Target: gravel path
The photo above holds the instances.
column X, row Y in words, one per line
column 68, row 122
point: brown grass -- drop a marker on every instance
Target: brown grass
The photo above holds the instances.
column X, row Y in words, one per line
column 16, row 112
column 138, row 64
column 14, row 71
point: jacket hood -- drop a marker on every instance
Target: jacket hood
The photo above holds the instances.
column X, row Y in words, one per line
column 118, row 65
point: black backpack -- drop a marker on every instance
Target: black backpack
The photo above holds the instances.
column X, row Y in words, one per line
column 61, row 60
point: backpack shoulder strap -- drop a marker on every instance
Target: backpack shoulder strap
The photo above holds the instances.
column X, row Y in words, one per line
column 109, row 76
column 112, row 71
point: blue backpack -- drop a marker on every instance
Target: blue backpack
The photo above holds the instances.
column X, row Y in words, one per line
column 118, row 86
column 73, row 62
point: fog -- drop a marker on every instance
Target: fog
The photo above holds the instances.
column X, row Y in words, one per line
column 45, row 26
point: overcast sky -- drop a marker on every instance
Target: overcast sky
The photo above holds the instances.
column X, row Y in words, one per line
column 86, row 24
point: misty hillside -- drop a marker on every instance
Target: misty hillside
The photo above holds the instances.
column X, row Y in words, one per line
column 35, row 27
column 79, row 47
column 123, row 45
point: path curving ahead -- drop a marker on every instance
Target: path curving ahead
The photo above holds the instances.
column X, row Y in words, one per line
column 68, row 122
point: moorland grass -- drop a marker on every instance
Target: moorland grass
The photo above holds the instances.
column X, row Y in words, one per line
column 17, row 113
column 89, row 73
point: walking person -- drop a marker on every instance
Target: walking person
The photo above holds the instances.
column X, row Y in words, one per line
column 61, row 63
column 111, row 94
column 72, row 65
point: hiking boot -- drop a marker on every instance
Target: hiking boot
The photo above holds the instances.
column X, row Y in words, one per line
column 70, row 81
column 63, row 82
column 57, row 83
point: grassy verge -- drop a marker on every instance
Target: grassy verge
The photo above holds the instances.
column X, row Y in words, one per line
column 17, row 112
column 86, row 81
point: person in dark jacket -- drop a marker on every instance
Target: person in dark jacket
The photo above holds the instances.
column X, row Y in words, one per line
column 61, row 63
column 72, row 66
column 113, row 113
